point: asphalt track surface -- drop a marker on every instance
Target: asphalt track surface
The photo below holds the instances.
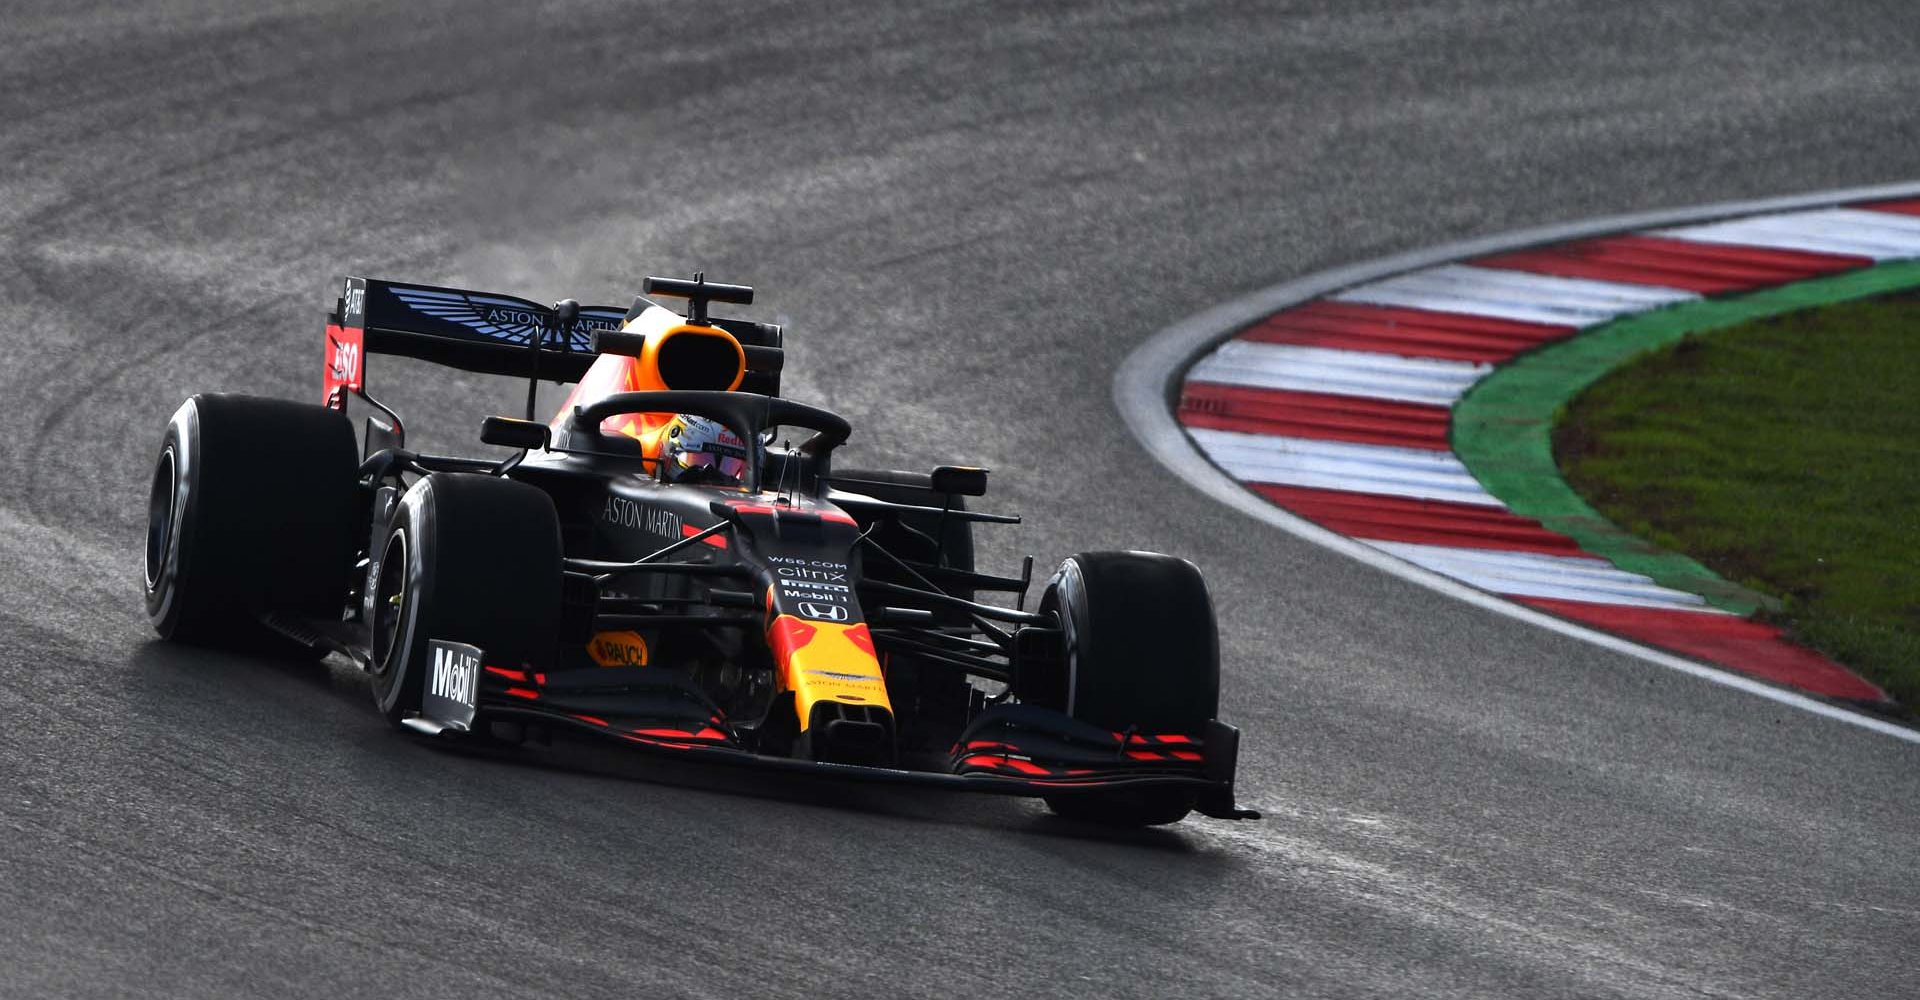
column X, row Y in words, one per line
column 969, row 215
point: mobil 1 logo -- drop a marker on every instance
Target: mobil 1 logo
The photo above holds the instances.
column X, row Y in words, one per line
column 822, row 588
column 452, row 687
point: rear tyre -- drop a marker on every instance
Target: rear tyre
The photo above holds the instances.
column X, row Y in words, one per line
column 470, row 559
column 1142, row 654
column 251, row 511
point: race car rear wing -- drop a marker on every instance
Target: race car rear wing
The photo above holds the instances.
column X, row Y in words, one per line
column 490, row 333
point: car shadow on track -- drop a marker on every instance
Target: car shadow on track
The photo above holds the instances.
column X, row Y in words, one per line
column 200, row 673
column 259, row 698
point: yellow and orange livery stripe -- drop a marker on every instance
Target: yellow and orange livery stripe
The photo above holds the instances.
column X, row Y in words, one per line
column 826, row 661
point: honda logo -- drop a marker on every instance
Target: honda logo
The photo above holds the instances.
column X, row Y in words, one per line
column 824, row 612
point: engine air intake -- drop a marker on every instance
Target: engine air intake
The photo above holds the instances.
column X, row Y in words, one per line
column 696, row 357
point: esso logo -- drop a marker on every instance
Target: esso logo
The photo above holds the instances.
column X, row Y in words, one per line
column 346, row 361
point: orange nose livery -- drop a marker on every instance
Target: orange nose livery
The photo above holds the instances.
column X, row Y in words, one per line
column 825, row 661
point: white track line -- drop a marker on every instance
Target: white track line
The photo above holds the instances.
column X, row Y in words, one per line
column 1421, row 473
column 1518, row 295
column 1879, row 235
column 1536, row 574
column 1149, row 379
column 1343, row 373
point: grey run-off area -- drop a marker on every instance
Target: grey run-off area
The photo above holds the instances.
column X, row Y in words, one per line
column 970, row 215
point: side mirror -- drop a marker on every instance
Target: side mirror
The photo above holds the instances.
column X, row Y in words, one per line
column 511, row 432
column 963, row 480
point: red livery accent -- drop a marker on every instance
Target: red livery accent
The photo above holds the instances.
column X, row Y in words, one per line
column 512, row 675
column 859, row 636
column 653, row 742
column 594, row 719
column 1023, row 766
column 345, row 365
column 717, row 541
column 527, row 693
column 705, row 733
column 1138, row 739
column 788, row 634
column 833, row 516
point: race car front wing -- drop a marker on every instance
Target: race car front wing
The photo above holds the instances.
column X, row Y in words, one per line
column 1019, row 750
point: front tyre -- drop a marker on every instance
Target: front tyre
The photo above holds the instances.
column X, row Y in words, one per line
column 1142, row 655
column 251, row 511
column 469, row 559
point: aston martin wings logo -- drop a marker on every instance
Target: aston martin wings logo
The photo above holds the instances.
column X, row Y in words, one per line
column 508, row 320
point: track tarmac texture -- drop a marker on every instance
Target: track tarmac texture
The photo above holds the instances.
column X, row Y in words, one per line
column 969, row 215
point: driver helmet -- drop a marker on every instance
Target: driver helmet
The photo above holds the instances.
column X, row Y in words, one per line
column 703, row 450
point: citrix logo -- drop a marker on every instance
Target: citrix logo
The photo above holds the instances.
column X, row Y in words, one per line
column 809, row 573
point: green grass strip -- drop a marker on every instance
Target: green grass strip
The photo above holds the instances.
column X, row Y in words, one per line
column 1503, row 427
column 1784, row 454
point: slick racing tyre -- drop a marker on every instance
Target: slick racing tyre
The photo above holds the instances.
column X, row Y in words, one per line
column 469, row 559
column 1142, row 654
column 251, row 511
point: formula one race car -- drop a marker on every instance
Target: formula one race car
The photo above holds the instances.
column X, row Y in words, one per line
column 660, row 565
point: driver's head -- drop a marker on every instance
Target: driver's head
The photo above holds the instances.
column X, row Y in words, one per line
column 701, row 450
